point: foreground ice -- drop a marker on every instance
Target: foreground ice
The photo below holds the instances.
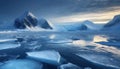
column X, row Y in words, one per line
column 103, row 60
column 69, row 66
column 7, row 40
column 109, row 55
column 8, row 46
column 21, row 64
column 47, row 56
column 8, row 43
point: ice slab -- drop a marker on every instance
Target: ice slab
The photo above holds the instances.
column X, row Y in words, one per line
column 8, row 43
column 8, row 46
column 21, row 64
column 69, row 66
column 47, row 56
column 7, row 40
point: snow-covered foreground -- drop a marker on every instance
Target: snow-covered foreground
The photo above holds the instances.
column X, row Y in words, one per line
column 59, row 50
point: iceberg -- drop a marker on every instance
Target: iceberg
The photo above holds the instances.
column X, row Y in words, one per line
column 7, row 40
column 8, row 46
column 21, row 64
column 47, row 56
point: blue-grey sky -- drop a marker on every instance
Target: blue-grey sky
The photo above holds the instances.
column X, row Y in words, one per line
column 61, row 10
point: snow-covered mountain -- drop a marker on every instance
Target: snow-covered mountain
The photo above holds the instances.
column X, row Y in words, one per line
column 43, row 23
column 28, row 20
column 91, row 25
column 114, row 24
column 78, row 26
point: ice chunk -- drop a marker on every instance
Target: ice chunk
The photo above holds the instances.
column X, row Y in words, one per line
column 47, row 56
column 21, row 64
column 9, row 45
column 87, row 68
column 7, row 40
column 69, row 66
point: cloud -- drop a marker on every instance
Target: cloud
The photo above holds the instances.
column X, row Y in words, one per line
column 10, row 9
column 102, row 16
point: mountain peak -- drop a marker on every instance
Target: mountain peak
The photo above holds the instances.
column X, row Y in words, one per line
column 27, row 20
column 28, row 13
column 117, row 16
column 114, row 21
column 87, row 21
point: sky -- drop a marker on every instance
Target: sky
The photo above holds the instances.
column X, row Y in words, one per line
column 60, row 11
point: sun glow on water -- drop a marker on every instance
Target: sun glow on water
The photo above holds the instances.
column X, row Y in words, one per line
column 99, row 39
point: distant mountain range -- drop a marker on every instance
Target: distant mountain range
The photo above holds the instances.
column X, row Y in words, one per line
column 28, row 21
column 78, row 26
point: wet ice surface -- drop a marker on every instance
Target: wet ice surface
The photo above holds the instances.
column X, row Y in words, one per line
column 79, row 50
column 21, row 64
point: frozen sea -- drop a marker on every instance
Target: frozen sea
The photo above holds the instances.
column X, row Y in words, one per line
column 59, row 50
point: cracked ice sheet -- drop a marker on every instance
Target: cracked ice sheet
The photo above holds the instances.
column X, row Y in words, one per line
column 102, row 54
column 47, row 56
column 101, row 59
column 97, row 47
